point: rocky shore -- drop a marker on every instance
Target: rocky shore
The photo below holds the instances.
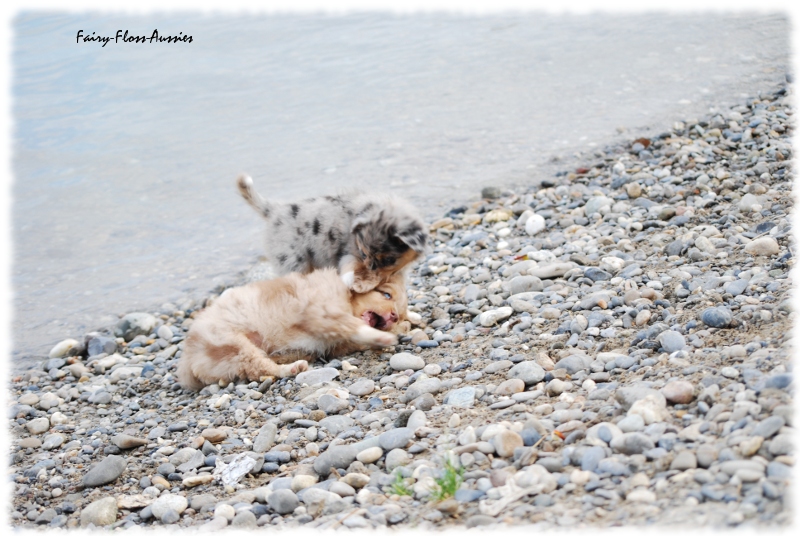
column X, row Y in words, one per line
column 610, row 349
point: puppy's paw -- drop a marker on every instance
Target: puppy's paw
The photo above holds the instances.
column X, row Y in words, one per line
column 362, row 286
column 348, row 278
column 387, row 339
column 293, row 369
column 374, row 337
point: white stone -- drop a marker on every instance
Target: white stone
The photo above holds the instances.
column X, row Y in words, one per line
column 492, row 317
column 534, row 224
column 61, row 349
column 169, row 501
column 405, row 361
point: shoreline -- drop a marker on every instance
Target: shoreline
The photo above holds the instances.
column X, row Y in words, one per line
column 610, row 349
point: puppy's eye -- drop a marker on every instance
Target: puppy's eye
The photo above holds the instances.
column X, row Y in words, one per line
column 387, row 295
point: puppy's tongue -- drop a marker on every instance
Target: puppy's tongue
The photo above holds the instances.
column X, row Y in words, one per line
column 370, row 318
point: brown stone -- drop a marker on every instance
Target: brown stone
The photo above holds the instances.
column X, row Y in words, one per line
column 215, row 435
column 678, row 392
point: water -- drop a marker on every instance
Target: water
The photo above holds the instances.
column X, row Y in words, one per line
column 124, row 157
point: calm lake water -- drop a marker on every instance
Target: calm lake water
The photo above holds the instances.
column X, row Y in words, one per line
column 124, row 156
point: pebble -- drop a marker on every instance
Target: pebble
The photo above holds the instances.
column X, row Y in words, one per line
column 283, row 501
column 716, row 317
column 107, row 470
column 678, row 392
column 671, row 341
column 362, row 387
column 462, row 398
column 370, row 455
column 505, row 442
column 63, row 348
column 38, row 426
column 316, row 376
column 492, row 317
column 406, row 361
column 169, row 502
column 764, row 246
column 100, row 513
column 529, row 372
column 134, row 324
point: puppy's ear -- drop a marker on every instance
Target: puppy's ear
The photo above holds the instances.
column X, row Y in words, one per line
column 359, row 231
column 414, row 236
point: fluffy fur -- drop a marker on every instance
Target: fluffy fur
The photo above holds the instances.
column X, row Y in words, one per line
column 366, row 237
column 274, row 328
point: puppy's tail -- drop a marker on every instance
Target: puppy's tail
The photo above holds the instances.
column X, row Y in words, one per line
column 245, row 185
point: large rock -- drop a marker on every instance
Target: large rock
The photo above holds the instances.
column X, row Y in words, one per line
column 108, row 470
column 133, row 324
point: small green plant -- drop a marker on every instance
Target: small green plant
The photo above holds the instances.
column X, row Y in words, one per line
column 448, row 484
column 399, row 486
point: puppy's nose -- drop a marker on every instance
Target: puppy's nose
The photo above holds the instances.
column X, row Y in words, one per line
column 393, row 317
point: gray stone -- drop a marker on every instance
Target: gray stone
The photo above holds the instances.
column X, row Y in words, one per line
column 197, row 460
column 627, row 396
column 595, row 203
column 52, row 441
column 283, row 501
column 99, row 513
column 735, row 288
column 101, row 396
column 769, row 427
column 396, row 438
column 107, row 470
column 683, row 461
column 573, row 363
column 462, row 398
column 339, row 456
column 396, row 458
column 631, row 423
column 716, row 317
column 591, row 457
column 245, row 519
column 265, row 438
column 336, row 424
column 362, row 387
column 316, row 376
column 671, row 341
column 632, row 443
column 331, row 404
column 134, row 324
column 525, row 283
column 421, row 387
column 528, row 371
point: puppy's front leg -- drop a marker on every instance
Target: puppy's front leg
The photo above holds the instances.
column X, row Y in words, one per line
column 374, row 337
column 347, row 269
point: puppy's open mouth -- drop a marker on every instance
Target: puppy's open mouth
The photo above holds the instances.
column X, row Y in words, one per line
column 374, row 320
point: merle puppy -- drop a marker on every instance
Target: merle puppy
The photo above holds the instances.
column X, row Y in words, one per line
column 367, row 237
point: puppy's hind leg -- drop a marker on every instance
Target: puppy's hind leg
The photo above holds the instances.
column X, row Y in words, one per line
column 254, row 364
